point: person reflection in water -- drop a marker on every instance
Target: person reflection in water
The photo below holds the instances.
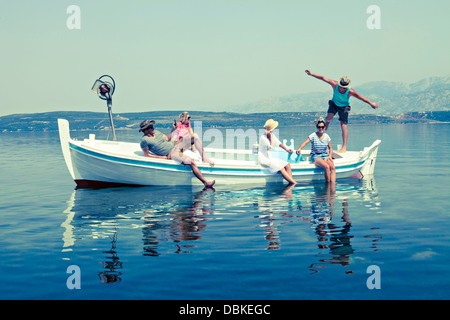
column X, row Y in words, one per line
column 186, row 224
column 330, row 237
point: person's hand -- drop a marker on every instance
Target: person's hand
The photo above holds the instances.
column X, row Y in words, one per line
column 298, row 151
column 308, row 72
column 290, row 151
column 374, row 105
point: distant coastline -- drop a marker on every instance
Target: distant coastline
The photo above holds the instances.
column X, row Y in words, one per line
column 90, row 121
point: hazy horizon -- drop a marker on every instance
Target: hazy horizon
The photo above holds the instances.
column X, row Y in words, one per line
column 208, row 55
column 101, row 105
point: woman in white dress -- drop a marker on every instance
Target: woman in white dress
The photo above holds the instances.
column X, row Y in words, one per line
column 268, row 142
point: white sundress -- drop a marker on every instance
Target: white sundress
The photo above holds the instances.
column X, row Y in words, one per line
column 265, row 159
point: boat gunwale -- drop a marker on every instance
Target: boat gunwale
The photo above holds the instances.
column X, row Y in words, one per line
column 344, row 164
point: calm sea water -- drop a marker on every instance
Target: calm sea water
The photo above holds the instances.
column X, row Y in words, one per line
column 306, row 242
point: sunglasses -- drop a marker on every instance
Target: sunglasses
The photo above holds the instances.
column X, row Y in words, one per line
column 320, row 127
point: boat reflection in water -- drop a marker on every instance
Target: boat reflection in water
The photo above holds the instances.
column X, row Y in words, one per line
column 164, row 214
column 166, row 220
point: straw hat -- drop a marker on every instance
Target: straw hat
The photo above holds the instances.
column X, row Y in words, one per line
column 344, row 82
column 270, row 124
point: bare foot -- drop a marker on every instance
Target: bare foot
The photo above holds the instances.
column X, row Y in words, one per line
column 207, row 160
column 209, row 184
column 343, row 150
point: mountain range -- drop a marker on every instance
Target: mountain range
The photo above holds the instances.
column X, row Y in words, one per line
column 427, row 100
column 393, row 98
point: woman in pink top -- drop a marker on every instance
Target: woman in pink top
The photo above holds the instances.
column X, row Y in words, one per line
column 183, row 127
column 184, row 130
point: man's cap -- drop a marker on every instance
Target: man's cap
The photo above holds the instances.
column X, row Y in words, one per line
column 146, row 124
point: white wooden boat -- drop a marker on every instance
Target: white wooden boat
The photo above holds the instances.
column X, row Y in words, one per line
column 102, row 163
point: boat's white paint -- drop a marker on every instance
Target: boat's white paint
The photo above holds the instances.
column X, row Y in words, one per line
column 124, row 163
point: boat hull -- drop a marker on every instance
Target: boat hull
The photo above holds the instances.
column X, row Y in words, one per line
column 96, row 163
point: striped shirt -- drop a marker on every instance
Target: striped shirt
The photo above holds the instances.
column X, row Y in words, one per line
column 319, row 146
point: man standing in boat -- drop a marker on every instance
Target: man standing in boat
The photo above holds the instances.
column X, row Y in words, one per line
column 155, row 144
column 340, row 103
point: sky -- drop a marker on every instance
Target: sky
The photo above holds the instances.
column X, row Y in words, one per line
column 207, row 55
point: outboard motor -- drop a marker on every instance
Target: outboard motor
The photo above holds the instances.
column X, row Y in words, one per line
column 105, row 90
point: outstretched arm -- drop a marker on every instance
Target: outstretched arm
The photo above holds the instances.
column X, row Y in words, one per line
column 364, row 99
column 282, row 146
column 333, row 83
column 299, row 150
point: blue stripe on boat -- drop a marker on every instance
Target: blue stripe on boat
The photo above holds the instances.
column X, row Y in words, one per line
column 210, row 170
